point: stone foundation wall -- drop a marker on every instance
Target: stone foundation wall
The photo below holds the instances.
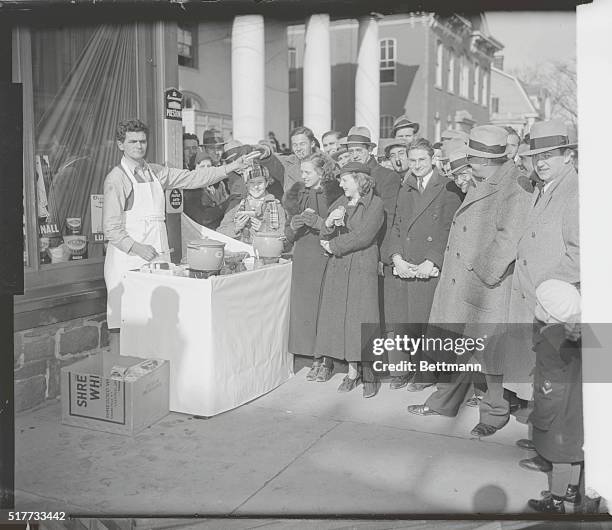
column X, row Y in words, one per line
column 40, row 353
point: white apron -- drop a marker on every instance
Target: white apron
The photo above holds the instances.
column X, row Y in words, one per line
column 145, row 223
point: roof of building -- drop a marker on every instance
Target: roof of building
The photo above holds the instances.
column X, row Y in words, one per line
column 512, row 96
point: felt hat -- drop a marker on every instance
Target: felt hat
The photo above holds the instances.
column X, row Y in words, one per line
column 487, row 141
column 559, row 299
column 212, row 137
column 457, row 158
column 402, row 122
column 548, row 135
column 353, row 167
column 234, row 149
column 358, row 135
column 385, row 145
column 450, row 134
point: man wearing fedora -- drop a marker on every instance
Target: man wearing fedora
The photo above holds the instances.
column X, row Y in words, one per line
column 405, row 128
column 396, row 151
column 426, row 205
column 549, row 248
column 212, row 145
column 386, row 185
column 477, row 274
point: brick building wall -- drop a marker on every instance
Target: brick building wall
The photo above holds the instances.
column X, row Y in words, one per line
column 42, row 352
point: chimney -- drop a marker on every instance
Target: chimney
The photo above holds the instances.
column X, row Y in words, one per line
column 498, row 62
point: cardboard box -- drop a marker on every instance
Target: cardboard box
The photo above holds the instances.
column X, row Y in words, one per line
column 91, row 399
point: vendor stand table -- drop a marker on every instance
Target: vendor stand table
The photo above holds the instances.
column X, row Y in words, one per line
column 225, row 337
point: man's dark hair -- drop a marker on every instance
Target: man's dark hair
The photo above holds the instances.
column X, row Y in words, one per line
column 191, row 136
column 329, row 133
column 133, row 125
column 421, row 143
column 302, row 130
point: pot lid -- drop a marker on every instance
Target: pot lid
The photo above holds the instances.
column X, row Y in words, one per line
column 205, row 242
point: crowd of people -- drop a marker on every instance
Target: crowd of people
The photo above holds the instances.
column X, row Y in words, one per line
column 475, row 235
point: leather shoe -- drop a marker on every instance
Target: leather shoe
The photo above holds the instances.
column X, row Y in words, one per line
column 422, row 410
column 417, row 387
column 524, row 443
column 572, row 494
column 537, row 463
column 324, row 374
column 370, row 388
column 312, row 373
column 552, row 504
column 398, row 382
column 348, row 384
column 482, row 429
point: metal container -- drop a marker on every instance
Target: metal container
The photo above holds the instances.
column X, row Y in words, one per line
column 205, row 254
column 268, row 244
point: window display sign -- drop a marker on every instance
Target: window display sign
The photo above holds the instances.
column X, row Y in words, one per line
column 97, row 228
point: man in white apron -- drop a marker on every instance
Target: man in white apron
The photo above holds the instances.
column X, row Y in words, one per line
column 134, row 211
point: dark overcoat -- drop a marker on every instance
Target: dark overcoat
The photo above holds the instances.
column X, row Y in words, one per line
column 548, row 249
column 309, row 262
column 350, row 288
column 420, row 231
column 557, row 414
column 475, row 282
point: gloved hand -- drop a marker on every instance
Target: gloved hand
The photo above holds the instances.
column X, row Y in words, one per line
column 310, row 217
column 297, row 222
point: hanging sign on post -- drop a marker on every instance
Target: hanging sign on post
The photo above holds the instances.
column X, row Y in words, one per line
column 173, row 104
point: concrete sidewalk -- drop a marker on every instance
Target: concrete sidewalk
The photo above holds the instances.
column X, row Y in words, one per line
column 302, row 449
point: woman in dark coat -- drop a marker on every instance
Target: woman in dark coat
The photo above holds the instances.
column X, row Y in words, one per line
column 350, row 289
column 557, row 413
column 306, row 204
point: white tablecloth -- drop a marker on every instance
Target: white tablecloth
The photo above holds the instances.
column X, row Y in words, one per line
column 226, row 337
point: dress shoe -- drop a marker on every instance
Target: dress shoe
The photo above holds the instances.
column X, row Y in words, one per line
column 324, row 374
column 482, row 429
column 537, row 463
column 417, row 387
column 314, row 370
column 572, row 494
column 370, row 388
column 474, row 401
column 524, row 443
column 552, row 504
column 398, row 382
column 348, row 384
column 422, row 410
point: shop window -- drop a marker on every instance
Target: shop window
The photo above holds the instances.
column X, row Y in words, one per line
column 439, row 63
column 386, row 126
column 83, row 84
column 187, row 39
column 387, row 60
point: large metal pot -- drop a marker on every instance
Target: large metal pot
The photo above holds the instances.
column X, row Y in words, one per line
column 268, row 244
column 205, row 254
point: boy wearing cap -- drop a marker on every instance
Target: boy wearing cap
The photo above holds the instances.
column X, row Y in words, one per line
column 557, row 415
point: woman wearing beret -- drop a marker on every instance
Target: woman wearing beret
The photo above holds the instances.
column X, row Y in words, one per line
column 307, row 204
column 350, row 289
